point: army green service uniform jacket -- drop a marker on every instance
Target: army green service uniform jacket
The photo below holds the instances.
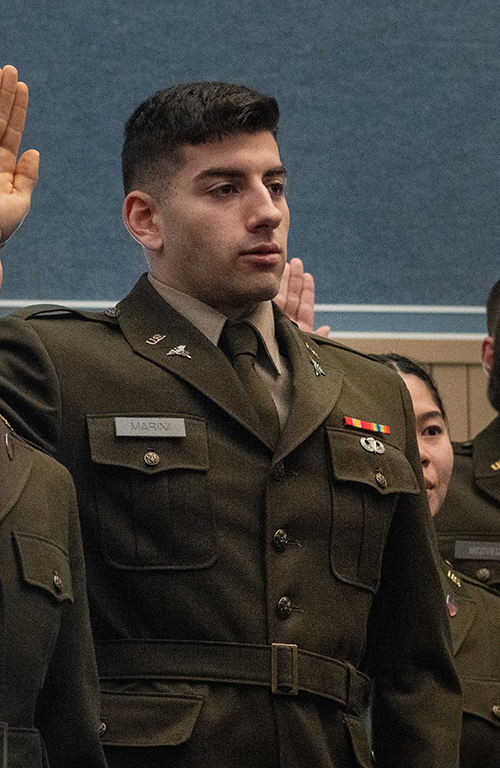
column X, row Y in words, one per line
column 474, row 611
column 468, row 524
column 49, row 705
column 240, row 595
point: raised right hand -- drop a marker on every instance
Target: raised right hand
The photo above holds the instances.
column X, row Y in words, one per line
column 17, row 176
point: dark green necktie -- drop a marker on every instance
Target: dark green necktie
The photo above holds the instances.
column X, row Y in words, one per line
column 239, row 341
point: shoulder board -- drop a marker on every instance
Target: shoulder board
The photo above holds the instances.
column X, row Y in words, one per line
column 321, row 340
column 54, row 311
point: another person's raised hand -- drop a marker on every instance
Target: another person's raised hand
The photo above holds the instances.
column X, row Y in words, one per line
column 17, row 176
column 296, row 297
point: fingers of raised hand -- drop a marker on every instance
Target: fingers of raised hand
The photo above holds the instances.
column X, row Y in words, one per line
column 13, row 105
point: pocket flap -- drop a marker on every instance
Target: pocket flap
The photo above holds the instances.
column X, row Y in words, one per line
column 387, row 472
column 44, row 565
column 146, row 452
column 148, row 720
column 481, row 698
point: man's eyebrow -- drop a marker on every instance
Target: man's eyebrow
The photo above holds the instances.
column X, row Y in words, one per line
column 235, row 173
column 279, row 170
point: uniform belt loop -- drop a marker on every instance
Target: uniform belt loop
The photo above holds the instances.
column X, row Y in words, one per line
column 285, row 669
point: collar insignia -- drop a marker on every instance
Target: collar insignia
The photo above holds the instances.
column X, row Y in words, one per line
column 180, row 350
column 312, row 351
column 155, row 339
column 317, row 367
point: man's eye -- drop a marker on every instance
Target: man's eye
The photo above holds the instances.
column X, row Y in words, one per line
column 277, row 188
column 224, row 190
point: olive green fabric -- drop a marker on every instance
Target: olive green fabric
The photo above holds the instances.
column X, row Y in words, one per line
column 216, row 536
column 475, row 627
column 48, row 682
column 468, row 523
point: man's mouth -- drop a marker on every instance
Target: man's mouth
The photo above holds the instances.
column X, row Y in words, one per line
column 264, row 249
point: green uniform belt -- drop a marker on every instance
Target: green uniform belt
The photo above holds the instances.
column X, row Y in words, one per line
column 284, row 669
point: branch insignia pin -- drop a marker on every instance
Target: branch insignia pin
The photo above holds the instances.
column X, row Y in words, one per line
column 181, row 351
column 317, row 367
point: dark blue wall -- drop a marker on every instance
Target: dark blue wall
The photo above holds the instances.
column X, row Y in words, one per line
column 390, row 129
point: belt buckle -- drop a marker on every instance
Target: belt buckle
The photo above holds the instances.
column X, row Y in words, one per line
column 285, row 669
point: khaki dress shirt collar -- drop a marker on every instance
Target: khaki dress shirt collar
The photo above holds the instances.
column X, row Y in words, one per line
column 211, row 322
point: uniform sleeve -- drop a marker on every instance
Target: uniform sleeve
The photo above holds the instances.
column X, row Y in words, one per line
column 68, row 706
column 29, row 387
column 417, row 703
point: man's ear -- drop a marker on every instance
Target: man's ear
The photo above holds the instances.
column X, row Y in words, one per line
column 487, row 350
column 139, row 216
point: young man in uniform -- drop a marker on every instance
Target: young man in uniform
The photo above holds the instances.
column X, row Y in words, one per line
column 257, row 536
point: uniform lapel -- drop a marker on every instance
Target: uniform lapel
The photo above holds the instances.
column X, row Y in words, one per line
column 16, row 461
column 316, row 386
column 486, row 455
column 145, row 315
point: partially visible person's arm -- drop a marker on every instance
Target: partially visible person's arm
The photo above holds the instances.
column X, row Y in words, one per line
column 296, row 297
column 17, row 176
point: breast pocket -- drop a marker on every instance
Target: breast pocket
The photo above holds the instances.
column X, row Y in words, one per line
column 368, row 476
column 151, row 495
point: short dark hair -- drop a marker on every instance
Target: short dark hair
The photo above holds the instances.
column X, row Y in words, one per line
column 409, row 367
column 493, row 309
column 193, row 113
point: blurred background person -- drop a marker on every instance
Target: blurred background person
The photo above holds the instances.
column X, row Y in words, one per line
column 468, row 524
column 49, row 703
column 474, row 609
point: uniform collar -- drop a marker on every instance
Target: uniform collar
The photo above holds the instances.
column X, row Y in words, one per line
column 211, row 322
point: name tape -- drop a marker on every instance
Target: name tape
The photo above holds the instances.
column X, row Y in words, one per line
column 477, row 550
column 140, row 426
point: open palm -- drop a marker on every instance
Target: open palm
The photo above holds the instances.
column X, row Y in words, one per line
column 17, row 176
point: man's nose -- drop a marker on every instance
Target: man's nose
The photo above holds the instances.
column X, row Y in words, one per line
column 263, row 210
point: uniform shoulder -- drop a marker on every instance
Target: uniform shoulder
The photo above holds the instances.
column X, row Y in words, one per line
column 60, row 312
column 326, row 343
column 352, row 357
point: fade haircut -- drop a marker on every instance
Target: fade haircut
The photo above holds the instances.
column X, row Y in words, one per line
column 193, row 113
column 403, row 365
column 493, row 309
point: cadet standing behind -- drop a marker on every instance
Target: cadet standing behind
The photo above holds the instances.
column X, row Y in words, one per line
column 257, row 537
column 468, row 524
column 49, row 702
column 474, row 609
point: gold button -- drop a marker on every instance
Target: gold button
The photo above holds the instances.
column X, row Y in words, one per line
column 102, row 729
column 151, row 458
column 381, row 479
column 58, row 582
column 496, row 711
